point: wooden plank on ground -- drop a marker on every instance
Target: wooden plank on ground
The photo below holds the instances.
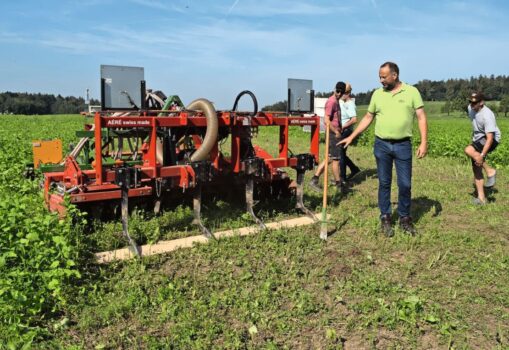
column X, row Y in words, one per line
column 187, row 242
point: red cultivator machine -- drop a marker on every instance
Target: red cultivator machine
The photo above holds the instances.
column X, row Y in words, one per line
column 152, row 151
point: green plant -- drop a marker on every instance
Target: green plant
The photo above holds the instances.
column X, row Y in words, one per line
column 284, row 289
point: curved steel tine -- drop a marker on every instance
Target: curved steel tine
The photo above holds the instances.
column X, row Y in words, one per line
column 197, row 212
column 300, row 193
column 249, row 202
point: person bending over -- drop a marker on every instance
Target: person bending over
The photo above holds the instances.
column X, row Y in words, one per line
column 485, row 138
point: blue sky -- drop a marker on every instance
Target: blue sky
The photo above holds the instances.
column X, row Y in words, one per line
column 215, row 49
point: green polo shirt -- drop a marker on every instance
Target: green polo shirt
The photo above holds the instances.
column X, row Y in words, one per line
column 394, row 113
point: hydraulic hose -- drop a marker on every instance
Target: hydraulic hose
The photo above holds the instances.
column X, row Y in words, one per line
column 246, row 147
column 253, row 97
column 164, row 106
column 210, row 138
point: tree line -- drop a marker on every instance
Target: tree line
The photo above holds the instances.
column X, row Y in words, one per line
column 29, row 103
column 453, row 91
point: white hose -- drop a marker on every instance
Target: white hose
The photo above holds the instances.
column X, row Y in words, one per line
column 212, row 124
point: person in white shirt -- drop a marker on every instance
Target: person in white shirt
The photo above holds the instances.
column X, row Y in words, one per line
column 348, row 119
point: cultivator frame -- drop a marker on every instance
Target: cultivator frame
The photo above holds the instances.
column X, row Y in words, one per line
column 106, row 172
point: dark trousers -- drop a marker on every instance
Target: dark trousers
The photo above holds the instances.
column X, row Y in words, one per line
column 400, row 153
column 344, row 160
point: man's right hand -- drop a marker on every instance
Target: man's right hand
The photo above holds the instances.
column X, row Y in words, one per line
column 368, row 118
column 345, row 142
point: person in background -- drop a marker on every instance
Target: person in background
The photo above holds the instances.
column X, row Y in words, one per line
column 333, row 118
column 485, row 138
column 348, row 119
column 394, row 106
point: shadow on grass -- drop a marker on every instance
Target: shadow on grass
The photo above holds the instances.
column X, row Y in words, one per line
column 489, row 192
column 222, row 207
column 422, row 205
column 363, row 176
column 336, row 227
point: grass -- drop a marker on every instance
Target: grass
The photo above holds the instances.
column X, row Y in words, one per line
column 448, row 287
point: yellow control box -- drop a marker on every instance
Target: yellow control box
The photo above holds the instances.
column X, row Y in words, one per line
column 46, row 152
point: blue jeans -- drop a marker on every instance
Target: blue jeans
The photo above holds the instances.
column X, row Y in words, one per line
column 400, row 153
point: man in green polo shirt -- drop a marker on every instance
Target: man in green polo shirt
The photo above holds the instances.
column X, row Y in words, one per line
column 394, row 107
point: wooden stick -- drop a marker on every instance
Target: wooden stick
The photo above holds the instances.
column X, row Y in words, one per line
column 323, row 226
column 187, row 242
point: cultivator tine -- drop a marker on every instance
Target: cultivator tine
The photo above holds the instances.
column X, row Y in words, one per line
column 250, row 202
column 157, row 206
column 197, row 212
column 125, row 217
column 300, row 193
column 157, row 203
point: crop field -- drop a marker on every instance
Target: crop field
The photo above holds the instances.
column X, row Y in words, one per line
column 446, row 288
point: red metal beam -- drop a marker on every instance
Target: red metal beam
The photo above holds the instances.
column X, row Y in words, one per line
column 107, row 195
column 100, row 181
column 98, row 166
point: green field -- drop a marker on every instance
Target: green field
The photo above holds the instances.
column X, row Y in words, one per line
column 448, row 287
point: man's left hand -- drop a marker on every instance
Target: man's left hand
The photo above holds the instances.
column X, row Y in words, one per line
column 422, row 150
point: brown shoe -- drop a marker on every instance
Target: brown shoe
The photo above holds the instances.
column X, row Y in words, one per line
column 405, row 223
column 386, row 225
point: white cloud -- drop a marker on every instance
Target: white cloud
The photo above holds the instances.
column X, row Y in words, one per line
column 10, row 37
column 268, row 8
column 232, row 7
column 160, row 5
column 199, row 52
column 214, row 44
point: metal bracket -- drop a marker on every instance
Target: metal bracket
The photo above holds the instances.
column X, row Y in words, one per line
column 305, row 161
column 202, row 170
column 128, row 177
column 254, row 166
